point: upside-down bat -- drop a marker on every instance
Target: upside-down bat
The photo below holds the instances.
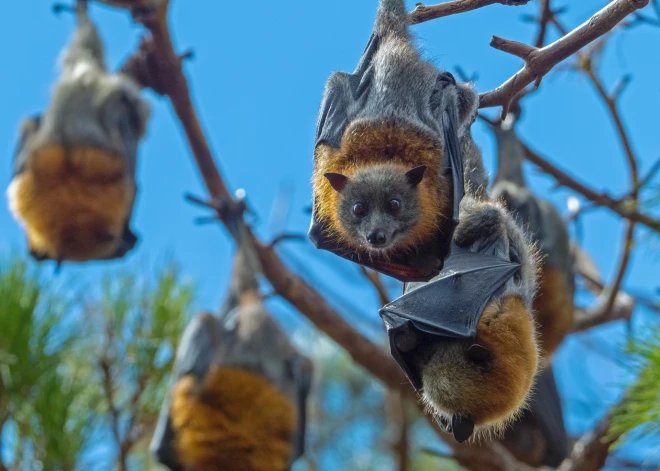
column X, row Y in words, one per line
column 73, row 186
column 466, row 339
column 239, row 395
column 387, row 171
column 554, row 301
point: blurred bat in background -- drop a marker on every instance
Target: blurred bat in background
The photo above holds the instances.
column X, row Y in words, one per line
column 73, row 186
column 554, row 301
column 239, row 395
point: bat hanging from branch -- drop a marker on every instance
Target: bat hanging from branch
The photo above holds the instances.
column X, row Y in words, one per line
column 74, row 186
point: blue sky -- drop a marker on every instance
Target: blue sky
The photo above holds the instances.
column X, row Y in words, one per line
column 257, row 79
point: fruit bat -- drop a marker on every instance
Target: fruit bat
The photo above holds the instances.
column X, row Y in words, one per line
column 539, row 437
column 388, row 175
column 73, row 186
column 554, row 301
column 239, row 394
column 466, row 339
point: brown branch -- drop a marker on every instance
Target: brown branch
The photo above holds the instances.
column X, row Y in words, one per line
column 541, row 61
column 398, row 418
column 601, row 313
column 600, row 199
column 424, row 13
column 592, row 450
column 156, row 65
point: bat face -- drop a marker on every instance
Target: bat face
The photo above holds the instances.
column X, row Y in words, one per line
column 235, row 420
column 74, row 204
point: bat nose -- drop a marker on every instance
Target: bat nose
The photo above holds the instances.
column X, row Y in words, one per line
column 377, row 238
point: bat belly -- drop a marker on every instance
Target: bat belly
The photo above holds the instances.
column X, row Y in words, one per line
column 73, row 204
column 234, row 421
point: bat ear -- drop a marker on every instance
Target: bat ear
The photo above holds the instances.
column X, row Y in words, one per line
column 415, row 175
column 337, row 180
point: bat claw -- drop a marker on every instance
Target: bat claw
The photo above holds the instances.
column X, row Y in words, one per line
column 444, row 424
column 406, row 340
column 462, row 427
column 479, row 353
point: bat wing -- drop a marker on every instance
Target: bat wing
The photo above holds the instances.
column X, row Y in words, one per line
column 193, row 357
column 546, row 411
column 302, row 371
column 29, row 128
column 450, row 305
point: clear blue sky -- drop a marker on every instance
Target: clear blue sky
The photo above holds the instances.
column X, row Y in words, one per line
column 257, row 79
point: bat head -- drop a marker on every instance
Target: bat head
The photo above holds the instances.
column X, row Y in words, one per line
column 378, row 205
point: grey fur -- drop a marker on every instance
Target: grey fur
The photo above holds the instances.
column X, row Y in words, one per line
column 88, row 105
column 375, row 188
column 541, row 220
column 244, row 336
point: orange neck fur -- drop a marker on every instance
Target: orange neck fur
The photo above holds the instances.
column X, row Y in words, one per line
column 369, row 144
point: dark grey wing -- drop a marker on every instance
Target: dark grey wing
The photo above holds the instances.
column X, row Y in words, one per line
column 193, row 356
column 342, row 97
column 29, row 128
column 301, row 370
column 546, row 410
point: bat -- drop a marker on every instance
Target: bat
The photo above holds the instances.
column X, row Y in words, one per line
column 388, row 165
column 73, row 187
column 239, row 395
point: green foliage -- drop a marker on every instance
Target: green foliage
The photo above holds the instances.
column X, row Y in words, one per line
column 73, row 370
column 640, row 409
column 135, row 328
column 40, row 395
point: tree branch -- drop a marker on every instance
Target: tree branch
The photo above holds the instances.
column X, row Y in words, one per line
column 424, row 13
column 375, row 279
column 541, row 61
column 600, row 199
column 592, row 450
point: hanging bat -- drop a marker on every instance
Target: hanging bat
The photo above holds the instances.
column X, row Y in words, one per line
column 239, row 395
column 539, row 437
column 73, row 186
column 554, row 302
column 466, row 339
column 388, row 170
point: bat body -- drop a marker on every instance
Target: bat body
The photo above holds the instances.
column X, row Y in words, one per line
column 554, row 300
column 388, row 176
column 238, row 401
column 467, row 338
column 74, row 185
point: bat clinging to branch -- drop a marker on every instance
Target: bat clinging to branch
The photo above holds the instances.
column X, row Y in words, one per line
column 466, row 339
column 74, row 170
column 239, row 397
column 388, row 175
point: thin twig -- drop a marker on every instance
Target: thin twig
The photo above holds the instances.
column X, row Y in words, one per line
column 600, row 199
column 424, row 13
column 541, row 61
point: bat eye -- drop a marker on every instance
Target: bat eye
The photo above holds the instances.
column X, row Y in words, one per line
column 395, row 205
column 359, row 209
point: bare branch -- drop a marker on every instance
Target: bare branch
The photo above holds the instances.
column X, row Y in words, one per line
column 600, row 199
column 424, row 13
column 516, row 48
column 592, row 450
column 601, row 313
column 541, row 61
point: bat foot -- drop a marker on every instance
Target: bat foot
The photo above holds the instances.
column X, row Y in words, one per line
column 478, row 353
column 406, row 340
column 226, row 209
column 462, row 427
